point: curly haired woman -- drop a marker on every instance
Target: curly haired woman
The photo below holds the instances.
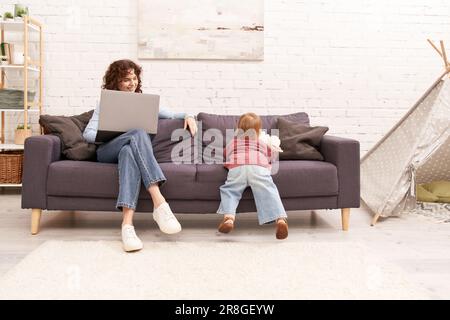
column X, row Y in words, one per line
column 134, row 154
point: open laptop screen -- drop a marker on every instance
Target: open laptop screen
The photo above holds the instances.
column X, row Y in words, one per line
column 122, row 111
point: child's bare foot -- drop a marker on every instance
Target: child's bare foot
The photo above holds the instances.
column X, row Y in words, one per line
column 227, row 224
column 282, row 229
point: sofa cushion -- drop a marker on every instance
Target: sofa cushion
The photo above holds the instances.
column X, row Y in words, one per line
column 163, row 145
column 423, row 195
column 440, row 189
column 310, row 178
column 299, row 141
column 223, row 122
column 100, row 180
column 70, row 131
column 188, row 182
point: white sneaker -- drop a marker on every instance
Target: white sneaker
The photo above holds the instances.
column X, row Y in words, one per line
column 130, row 240
column 165, row 219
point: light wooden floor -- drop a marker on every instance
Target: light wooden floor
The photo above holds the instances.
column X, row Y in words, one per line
column 421, row 247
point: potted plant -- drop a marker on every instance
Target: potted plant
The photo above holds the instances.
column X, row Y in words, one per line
column 8, row 16
column 21, row 134
column 20, row 11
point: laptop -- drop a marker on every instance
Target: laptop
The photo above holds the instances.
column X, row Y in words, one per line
column 121, row 111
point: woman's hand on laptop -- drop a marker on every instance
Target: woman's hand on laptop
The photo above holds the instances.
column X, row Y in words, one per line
column 189, row 121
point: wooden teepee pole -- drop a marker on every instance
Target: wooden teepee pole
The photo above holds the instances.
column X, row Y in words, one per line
column 441, row 52
column 444, row 55
column 434, row 47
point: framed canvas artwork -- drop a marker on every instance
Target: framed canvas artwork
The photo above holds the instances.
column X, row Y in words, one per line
column 201, row 29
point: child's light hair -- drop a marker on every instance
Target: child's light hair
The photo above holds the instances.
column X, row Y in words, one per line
column 250, row 121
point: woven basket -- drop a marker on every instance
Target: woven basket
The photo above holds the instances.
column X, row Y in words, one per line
column 11, row 164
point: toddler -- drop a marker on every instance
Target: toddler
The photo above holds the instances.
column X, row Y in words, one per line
column 248, row 157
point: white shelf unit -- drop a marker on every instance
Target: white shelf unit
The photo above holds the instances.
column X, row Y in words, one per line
column 13, row 25
column 25, row 27
column 19, row 66
column 19, row 110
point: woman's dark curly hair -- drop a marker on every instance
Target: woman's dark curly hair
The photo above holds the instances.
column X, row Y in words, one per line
column 117, row 71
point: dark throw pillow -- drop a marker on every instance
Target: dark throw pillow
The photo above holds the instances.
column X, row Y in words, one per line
column 70, row 131
column 300, row 141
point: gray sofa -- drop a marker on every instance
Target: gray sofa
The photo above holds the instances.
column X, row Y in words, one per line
column 53, row 183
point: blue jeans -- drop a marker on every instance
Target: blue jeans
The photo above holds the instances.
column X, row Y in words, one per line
column 134, row 153
column 265, row 192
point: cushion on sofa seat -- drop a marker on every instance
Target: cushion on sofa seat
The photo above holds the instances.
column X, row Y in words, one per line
column 100, row 180
column 188, row 182
column 294, row 179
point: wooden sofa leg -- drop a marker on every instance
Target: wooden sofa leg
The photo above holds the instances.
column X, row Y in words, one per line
column 35, row 220
column 345, row 214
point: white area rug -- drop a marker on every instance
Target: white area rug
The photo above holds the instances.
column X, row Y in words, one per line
column 205, row 270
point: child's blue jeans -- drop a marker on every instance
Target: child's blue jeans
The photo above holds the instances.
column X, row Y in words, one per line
column 265, row 192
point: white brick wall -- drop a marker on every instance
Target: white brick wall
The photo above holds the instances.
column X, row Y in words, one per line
column 355, row 66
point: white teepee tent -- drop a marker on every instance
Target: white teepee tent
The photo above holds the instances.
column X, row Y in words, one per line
column 415, row 150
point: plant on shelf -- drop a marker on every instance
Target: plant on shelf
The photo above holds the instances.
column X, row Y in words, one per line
column 8, row 16
column 21, row 133
column 20, row 11
column 21, row 126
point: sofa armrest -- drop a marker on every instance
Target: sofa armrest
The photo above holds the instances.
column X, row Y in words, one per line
column 344, row 154
column 39, row 153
